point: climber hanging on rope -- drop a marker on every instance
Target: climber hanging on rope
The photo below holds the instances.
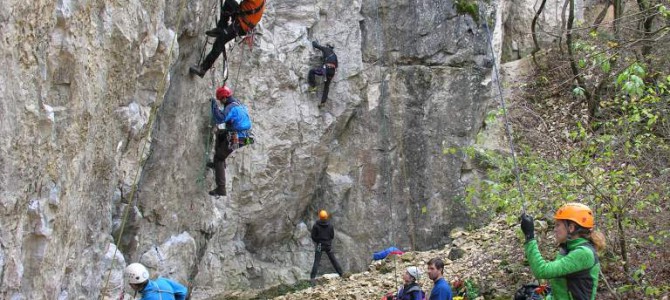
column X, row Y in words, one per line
column 327, row 70
column 233, row 130
column 244, row 17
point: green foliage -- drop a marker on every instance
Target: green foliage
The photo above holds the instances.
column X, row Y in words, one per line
column 492, row 116
column 620, row 170
column 631, row 80
column 664, row 11
column 468, row 7
column 472, row 291
column 643, row 286
column 468, row 288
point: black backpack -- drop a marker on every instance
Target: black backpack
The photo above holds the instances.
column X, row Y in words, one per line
column 531, row 292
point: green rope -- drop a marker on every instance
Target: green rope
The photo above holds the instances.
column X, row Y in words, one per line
column 152, row 118
column 208, row 148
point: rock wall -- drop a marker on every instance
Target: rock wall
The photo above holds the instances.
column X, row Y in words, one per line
column 96, row 98
column 517, row 19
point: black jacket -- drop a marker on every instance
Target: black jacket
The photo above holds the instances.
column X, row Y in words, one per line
column 328, row 53
column 323, row 233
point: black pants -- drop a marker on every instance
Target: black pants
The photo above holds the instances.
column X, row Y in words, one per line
column 221, row 151
column 228, row 33
column 317, row 260
column 321, row 71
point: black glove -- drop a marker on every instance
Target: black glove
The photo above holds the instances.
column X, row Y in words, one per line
column 527, row 226
column 314, row 44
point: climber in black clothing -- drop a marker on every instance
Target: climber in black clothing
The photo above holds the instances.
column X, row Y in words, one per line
column 328, row 70
column 242, row 17
column 323, row 234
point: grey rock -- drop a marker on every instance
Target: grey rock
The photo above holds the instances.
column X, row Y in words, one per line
column 456, row 253
column 104, row 138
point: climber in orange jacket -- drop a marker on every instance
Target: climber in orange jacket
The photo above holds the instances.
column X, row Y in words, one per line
column 244, row 17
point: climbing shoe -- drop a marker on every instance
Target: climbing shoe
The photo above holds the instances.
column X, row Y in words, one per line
column 197, row 71
column 213, row 32
column 217, row 192
column 312, row 90
column 210, row 165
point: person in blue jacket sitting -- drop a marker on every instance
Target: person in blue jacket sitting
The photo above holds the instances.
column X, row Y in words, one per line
column 233, row 127
column 160, row 288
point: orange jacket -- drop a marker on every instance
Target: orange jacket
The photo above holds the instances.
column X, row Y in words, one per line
column 250, row 13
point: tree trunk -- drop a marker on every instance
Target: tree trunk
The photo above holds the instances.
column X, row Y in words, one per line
column 533, row 26
column 622, row 242
column 618, row 12
column 646, row 25
column 560, row 38
column 601, row 16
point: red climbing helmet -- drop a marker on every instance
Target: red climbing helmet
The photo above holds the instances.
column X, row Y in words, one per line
column 223, row 92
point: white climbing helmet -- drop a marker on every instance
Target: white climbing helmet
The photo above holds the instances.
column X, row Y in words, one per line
column 414, row 272
column 136, row 273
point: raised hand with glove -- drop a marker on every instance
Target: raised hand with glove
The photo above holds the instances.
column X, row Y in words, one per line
column 527, row 226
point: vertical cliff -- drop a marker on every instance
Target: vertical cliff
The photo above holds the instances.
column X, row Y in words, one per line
column 96, row 100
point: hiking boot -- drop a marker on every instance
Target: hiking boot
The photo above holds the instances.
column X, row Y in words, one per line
column 312, row 90
column 215, row 32
column 346, row 275
column 197, row 71
column 217, row 192
column 322, row 104
column 312, row 282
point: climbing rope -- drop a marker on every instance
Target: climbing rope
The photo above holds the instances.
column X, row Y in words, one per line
column 208, row 148
column 142, row 163
column 385, row 124
column 508, row 131
column 240, row 61
column 210, row 136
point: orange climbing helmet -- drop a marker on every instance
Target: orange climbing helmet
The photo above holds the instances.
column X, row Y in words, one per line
column 576, row 212
column 323, row 215
column 223, row 92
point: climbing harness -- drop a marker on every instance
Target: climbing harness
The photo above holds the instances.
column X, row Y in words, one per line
column 235, row 141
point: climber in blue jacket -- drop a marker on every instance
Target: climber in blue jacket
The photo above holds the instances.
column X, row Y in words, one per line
column 233, row 127
column 160, row 288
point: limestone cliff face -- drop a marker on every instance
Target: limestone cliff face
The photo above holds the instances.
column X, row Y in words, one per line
column 78, row 132
column 517, row 17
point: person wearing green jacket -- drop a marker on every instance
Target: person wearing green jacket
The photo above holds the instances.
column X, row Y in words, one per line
column 573, row 275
